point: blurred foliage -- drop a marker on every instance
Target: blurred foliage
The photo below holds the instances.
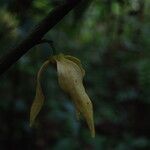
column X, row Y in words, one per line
column 111, row 37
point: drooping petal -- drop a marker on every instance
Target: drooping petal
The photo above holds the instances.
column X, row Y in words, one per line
column 77, row 61
column 84, row 106
column 39, row 97
column 70, row 77
column 69, row 74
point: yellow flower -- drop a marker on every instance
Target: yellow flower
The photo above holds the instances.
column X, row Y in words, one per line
column 70, row 78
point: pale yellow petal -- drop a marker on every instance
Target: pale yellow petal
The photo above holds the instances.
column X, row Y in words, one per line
column 39, row 97
column 84, row 106
column 77, row 61
column 70, row 78
column 69, row 74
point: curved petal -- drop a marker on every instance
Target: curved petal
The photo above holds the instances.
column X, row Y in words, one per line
column 77, row 61
column 70, row 78
column 39, row 97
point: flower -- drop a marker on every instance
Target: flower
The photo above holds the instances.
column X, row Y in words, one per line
column 70, row 78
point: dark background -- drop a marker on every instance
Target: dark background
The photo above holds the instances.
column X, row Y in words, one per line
column 111, row 38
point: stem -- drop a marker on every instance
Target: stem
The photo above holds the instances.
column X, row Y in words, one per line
column 51, row 44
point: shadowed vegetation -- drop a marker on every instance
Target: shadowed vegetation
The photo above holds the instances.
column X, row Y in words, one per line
column 111, row 38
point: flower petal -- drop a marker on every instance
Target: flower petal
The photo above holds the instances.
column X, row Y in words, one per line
column 70, row 77
column 77, row 61
column 84, row 106
column 39, row 97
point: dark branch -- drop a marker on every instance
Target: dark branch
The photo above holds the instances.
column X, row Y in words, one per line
column 36, row 35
